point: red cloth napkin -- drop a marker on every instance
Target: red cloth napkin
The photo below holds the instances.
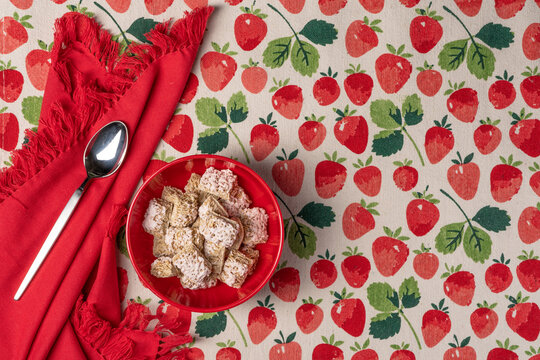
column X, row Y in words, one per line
column 71, row 310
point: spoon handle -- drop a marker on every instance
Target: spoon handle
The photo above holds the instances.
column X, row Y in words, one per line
column 51, row 238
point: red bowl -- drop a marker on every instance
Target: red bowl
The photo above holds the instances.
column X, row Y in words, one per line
column 220, row 297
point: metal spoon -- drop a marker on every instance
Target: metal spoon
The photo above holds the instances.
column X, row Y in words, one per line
column 102, row 157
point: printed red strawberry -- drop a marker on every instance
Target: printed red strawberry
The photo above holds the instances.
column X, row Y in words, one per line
column 120, row 6
column 261, row 321
column 464, row 176
column 351, row 131
column 355, row 267
column 285, row 349
column 409, row 3
column 498, row 276
column 361, row 37
column 22, row 4
column 328, row 350
column 460, row 350
column 38, row 63
column 9, row 130
column 331, row 7
column 227, row 351
column 123, row 282
column 528, row 271
column 287, row 99
column 428, row 81
column 531, row 41
column 158, row 161
column 358, row 85
column 250, row 28
column 503, row 352
column 218, row 67
column 425, row 263
column 459, row 285
column 425, row 30
column 373, row 6
column 326, row 89
column 505, row 179
column 530, row 87
column 312, row 132
column 330, row 176
column 264, row 138
column 390, row 252
column 534, row 181
column 487, row 136
column 12, row 82
column 363, row 353
column 13, row 34
column 469, row 7
column 401, row 352
column 179, row 134
column 233, row 2
column 358, row 219
column 439, row 140
column 436, row 324
column 288, row 173
column 293, row 6
column 421, row 213
column 367, row 178
column 253, row 77
column 507, row 9
column 190, row 353
column 462, row 102
column 172, row 318
column 502, row 93
column 323, row 272
column 393, row 70
column 523, row 317
column 309, row 315
column 484, row 320
column 525, row 133
column 156, row 7
column 405, row 176
column 285, row 283
column 529, row 224
column 194, row 4
column 532, row 352
column 348, row 313
column 190, row 90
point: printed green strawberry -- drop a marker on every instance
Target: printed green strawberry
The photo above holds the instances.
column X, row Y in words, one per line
column 361, row 37
column 368, row 177
column 530, row 87
column 405, row 176
column 355, row 267
column 362, row 352
column 285, row 349
column 505, row 179
column 459, row 285
column 462, row 102
column 393, row 70
column 498, row 276
column 358, row 219
column 254, row 77
column 309, row 315
column 348, row 313
column 523, row 317
column 525, row 133
column 264, row 138
column 285, row 283
column 421, row 213
column 484, row 320
column 12, row 82
column 460, row 350
column 287, row 99
column 425, row 263
column 529, row 224
column 326, row 89
column 390, row 252
column 312, row 132
column 502, row 93
column 218, row 67
column 358, row 85
column 351, row 131
column 428, row 81
column 464, row 176
column 439, row 140
column 528, row 271
column 503, row 352
column 323, row 272
column 487, row 136
column 328, row 350
column 425, row 30
column 436, row 324
column 250, row 28
column 261, row 321
column 330, row 176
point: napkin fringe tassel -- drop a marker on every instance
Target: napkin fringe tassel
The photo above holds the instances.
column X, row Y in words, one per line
column 58, row 129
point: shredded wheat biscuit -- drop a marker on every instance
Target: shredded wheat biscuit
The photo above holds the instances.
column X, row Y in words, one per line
column 220, row 230
column 211, row 206
column 162, row 267
column 192, row 264
column 218, row 182
column 238, row 200
column 156, row 217
column 255, row 222
column 235, row 269
column 185, row 210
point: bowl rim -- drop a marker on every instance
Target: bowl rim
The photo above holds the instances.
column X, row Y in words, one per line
column 259, row 286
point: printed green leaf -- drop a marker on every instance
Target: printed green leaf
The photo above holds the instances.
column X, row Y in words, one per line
column 302, row 240
column 409, row 293
column 412, row 110
column 319, row 32
column 385, row 114
column 31, row 108
column 453, row 54
column 213, row 140
column 382, row 297
column 477, row 244
column 387, row 142
column 121, row 241
column 277, row 52
column 210, row 112
column 492, row 218
column 304, row 58
column 317, row 214
column 140, row 27
column 237, row 107
column 385, row 325
column 449, row 238
column 480, row 61
column 496, row 35
column 210, row 324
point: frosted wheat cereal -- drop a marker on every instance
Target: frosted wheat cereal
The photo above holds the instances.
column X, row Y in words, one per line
column 192, row 185
column 176, row 238
column 255, row 226
column 156, row 217
column 185, row 210
column 162, row 267
column 215, row 254
column 218, row 182
column 193, row 266
column 196, row 224
column 160, row 247
column 253, row 255
column 237, row 201
column 170, row 194
column 240, row 237
column 211, row 205
column 235, row 269
column 219, row 230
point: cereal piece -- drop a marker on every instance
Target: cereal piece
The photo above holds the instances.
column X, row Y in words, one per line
column 170, row 194
column 193, row 266
column 235, row 269
column 184, row 211
column 253, row 254
column 238, row 201
column 218, row 182
column 178, row 238
column 211, row 205
column 196, row 224
column 209, row 282
column 240, row 236
column 198, row 241
column 255, row 226
column 215, row 254
column 162, row 267
column 219, row 230
column 156, row 216
column 192, row 185
column 160, row 247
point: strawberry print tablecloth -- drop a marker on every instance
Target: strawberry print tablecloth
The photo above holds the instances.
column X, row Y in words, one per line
column 402, row 140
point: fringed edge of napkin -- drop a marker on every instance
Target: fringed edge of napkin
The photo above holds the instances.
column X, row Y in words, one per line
column 59, row 130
